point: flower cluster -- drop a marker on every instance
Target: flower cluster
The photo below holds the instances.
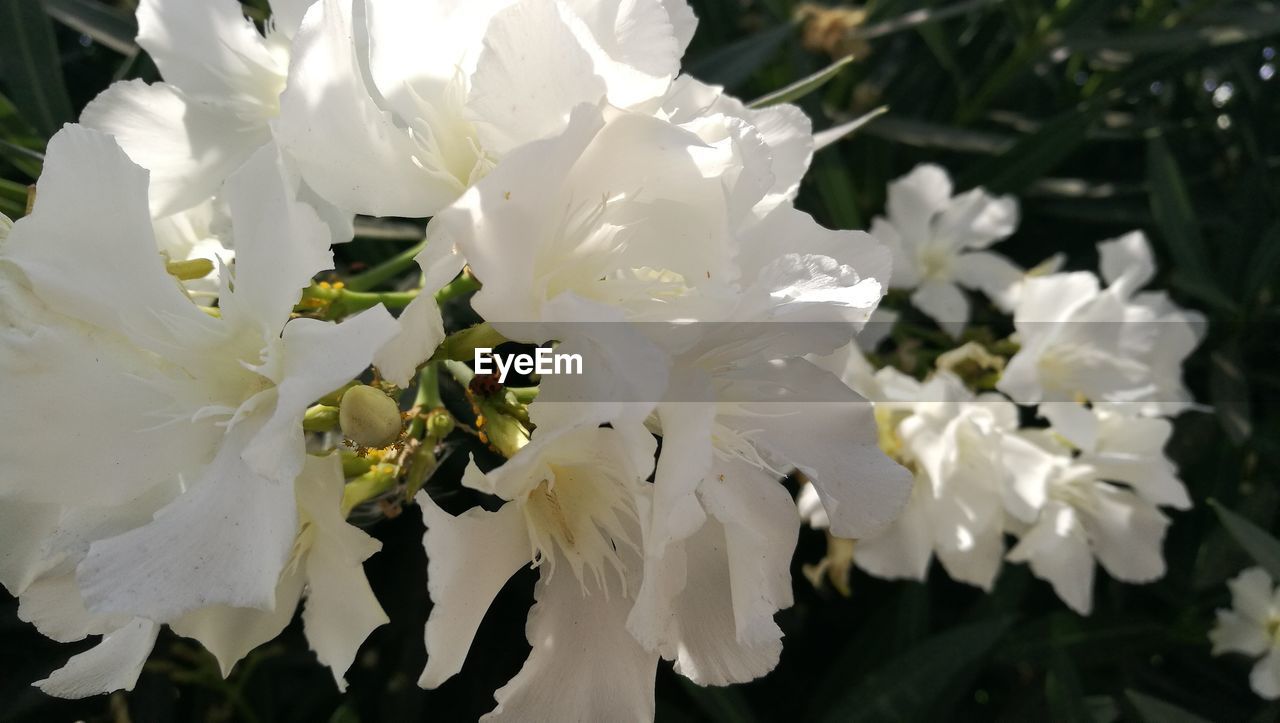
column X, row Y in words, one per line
column 1054, row 436
column 179, row 385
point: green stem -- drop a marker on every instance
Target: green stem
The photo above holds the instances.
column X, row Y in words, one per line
column 461, row 286
column 386, row 270
column 342, row 302
column 427, row 398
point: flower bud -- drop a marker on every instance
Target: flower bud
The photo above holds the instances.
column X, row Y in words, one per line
column 369, row 418
column 440, row 424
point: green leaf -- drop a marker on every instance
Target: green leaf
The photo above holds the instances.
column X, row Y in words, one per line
column 734, row 64
column 822, row 139
column 903, row 688
column 1261, row 546
column 1175, row 216
column 1034, row 155
column 32, row 69
column 1229, row 392
column 1263, row 263
column 13, row 198
column 1154, row 710
column 802, row 87
column 109, row 26
column 18, row 141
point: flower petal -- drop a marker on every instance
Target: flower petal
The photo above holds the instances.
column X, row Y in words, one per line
column 281, row 243
column 231, row 633
column 914, row 199
column 532, row 73
column 1058, row 551
column 348, row 149
column 584, row 665
column 943, row 302
column 111, row 665
column 739, row 561
column 469, row 558
column 341, row 609
column 834, row 442
column 319, row 357
column 190, row 145
column 224, row 541
column 207, row 48
column 24, row 527
column 91, row 210
column 1265, row 677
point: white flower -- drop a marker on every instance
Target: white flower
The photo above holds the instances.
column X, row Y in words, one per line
column 213, row 112
column 158, row 393
column 1103, row 345
column 571, row 510
column 326, row 561
column 325, row 568
column 396, row 107
column 939, row 244
column 1251, row 627
column 1071, row 515
column 954, row 443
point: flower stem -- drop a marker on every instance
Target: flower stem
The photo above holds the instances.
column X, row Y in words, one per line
column 386, row 270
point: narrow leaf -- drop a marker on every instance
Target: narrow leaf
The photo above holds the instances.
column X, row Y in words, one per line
column 734, row 64
column 1171, row 205
column 802, row 87
column 1261, row 546
column 107, row 25
column 1034, row 155
column 822, row 139
column 33, row 71
column 904, row 688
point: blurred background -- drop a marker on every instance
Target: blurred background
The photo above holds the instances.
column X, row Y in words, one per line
column 1101, row 116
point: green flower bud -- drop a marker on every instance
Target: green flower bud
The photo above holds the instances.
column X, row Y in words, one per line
column 440, row 424
column 320, row 418
column 369, row 418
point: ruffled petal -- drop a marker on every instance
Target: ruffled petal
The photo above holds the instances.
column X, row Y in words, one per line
column 111, row 665
column 469, row 558
column 584, row 664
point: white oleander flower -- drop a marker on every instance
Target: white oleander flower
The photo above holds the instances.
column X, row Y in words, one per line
column 939, row 244
column 571, row 506
column 1112, row 345
column 325, row 561
column 396, row 107
column 1066, row 513
column 954, row 441
column 153, row 392
column 1252, row 627
column 221, row 92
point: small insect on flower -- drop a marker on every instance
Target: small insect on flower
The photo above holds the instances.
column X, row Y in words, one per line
column 485, row 385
